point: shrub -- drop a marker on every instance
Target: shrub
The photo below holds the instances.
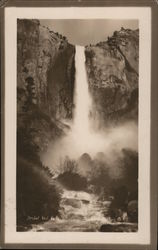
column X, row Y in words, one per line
column 73, row 181
column 69, row 176
column 37, row 195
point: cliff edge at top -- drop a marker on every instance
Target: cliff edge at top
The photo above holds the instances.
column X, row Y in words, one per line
column 112, row 69
column 45, row 81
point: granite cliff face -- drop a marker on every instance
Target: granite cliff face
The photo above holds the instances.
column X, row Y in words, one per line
column 46, row 75
column 45, row 81
column 112, row 68
column 45, row 90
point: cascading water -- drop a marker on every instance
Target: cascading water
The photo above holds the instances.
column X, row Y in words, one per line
column 82, row 135
column 88, row 213
column 85, row 212
column 81, row 124
column 80, row 210
column 81, row 138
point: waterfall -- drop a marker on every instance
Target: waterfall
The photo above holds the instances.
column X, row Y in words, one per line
column 81, row 210
column 81, row 132
column 82, row 97
column 81, row 138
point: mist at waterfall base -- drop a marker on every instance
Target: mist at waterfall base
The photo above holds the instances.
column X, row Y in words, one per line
column 82, row 138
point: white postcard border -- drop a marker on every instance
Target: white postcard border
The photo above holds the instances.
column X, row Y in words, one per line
column 143, row 14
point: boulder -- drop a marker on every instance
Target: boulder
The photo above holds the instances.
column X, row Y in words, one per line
column 85, row 201
column 132, row 211
column 119, row 228
column 72, row 216
column 72, row 202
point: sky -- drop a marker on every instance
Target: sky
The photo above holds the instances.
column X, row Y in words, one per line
column 87, row 31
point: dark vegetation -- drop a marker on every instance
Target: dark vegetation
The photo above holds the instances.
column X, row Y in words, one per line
column 38, row 109
column 38, row 197
column 73, row 181
column 122, row 190
column 70, row 178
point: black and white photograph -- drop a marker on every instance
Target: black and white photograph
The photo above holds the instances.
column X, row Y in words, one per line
column 78, row 101
column 77, row 125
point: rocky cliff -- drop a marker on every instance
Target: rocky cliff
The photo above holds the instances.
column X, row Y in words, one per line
column 45, row 83
column 45, row 90
column 112, row 68
column 45, row 80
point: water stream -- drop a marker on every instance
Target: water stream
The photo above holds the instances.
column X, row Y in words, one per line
column 81, row 124
column 80, row 210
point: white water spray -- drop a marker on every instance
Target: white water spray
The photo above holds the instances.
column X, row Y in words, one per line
column 81, row 124
column 89, row 213
column 81, row 138
column 84, row 139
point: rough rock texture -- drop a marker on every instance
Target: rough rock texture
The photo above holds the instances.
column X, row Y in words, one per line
column 123, row 227
column 45, row 80
column 112, row 68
